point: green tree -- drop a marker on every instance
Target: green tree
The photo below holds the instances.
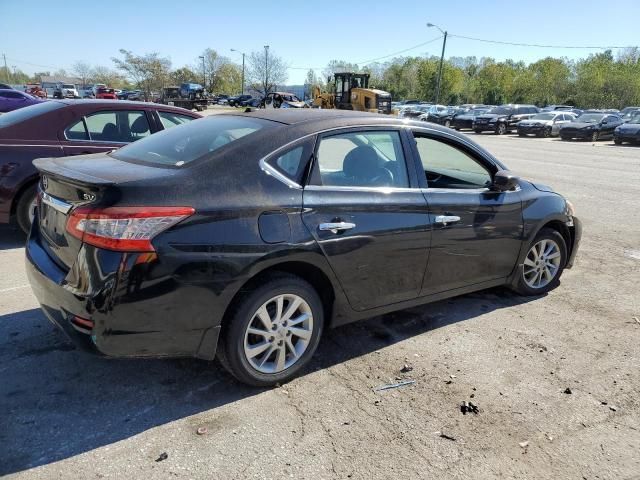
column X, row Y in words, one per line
column 150, row 71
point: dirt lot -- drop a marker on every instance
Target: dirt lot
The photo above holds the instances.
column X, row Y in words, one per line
column 556, row 378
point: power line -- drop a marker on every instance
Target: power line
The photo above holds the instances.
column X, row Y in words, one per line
column 516, row 44
column 378, row 58
column 31, row 64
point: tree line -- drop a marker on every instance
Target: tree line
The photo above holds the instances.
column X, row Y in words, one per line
column 151, row 72
column 601, row 80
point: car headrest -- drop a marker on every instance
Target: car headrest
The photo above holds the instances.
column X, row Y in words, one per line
column 362, row 162
column 140, row 125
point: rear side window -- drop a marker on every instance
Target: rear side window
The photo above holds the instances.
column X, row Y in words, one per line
column 119, row 126
column 185, row 143
column 27, row 113
column 361, row 159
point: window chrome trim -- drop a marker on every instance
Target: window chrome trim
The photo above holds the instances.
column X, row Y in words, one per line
column 56, row 203
column 346, row 188
column 271, row 171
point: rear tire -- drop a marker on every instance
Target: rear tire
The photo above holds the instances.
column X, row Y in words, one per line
column 477, row 131
column 617, row 141
column 595, row 136
column 546, row 133
column 447, row 123
column 545, row 261
column 275, row 337
column 25, row 209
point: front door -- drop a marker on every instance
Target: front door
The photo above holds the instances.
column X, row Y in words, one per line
column 477, row 232
column 365, row 210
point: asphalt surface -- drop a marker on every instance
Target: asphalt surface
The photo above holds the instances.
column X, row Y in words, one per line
column 64, row 414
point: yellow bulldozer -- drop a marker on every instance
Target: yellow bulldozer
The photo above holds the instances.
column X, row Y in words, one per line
column 351, row 92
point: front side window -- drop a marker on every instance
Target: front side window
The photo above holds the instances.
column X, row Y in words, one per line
column 171, row 119
column 446, row 166
column 361, row 159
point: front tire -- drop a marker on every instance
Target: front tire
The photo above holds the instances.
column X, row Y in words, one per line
column 272, row 332
column 617, row 141
column 595, row 136
column 543, row 264
column 447, row 123
column 25, row 209
column 501, row 129
column 477, row 131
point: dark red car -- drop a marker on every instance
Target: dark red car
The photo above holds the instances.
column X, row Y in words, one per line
column 59, row 128
column 106, row 94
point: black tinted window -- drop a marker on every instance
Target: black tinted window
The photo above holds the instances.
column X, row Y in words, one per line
column 27, row 113
column 185, row 143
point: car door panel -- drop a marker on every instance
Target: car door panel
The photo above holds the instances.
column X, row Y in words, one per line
column 483, row 245
column 380, row 255
column 482, row 236
column 382, row 258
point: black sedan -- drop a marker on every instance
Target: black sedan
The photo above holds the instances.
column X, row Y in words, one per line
column 628, row 132
column 591, row 126
column 465, row 120
column 247, row 235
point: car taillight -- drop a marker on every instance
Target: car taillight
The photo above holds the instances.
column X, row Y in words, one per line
column 127, row 229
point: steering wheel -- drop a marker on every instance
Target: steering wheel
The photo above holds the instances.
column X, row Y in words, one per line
column 384, row 178
column 433, row 177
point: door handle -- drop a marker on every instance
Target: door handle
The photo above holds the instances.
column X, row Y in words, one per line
column 335, row 227
column 446, row 219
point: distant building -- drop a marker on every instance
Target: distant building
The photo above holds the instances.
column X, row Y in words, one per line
column 51, row 81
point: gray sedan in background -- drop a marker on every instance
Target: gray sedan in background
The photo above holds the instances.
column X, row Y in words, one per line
column 546, row 124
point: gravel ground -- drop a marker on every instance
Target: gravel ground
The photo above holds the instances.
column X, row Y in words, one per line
column 555, row 378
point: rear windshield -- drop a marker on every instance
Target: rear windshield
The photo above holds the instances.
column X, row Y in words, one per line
column 183, row 144
column 27, row 113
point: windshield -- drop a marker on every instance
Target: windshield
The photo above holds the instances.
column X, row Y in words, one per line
column 191, row 141
column 68, row 85
column 501, row 111
column 27, row 113
column 290, row 98
column 634, row 119
column 590, row 118
column 543, row 116
column 478, row 111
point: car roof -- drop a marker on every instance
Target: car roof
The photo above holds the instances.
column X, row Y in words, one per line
column 120, row 104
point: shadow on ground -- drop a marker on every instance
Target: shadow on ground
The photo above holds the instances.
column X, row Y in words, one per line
column 57, row 402
column 11, row 237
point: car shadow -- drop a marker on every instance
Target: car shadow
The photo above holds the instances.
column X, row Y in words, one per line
column 11, row 237
column 58, row 402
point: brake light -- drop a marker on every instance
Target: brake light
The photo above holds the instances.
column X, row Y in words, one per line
column 127, row 229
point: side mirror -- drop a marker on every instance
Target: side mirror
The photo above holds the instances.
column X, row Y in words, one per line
column 504, row 180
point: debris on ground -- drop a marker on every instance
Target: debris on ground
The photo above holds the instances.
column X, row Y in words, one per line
column 447, row 437
column 406, row 368
column 468, row 407
column 636, row 320
column 394, row 385
column 163, row 456
column 449, row 382
column 202, row 430
column 524, row 444
column 549, row 437
column 613, row 408
column 452, row 376
column 568, row 391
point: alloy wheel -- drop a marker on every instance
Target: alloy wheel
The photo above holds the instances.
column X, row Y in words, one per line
column 542, row 263
column 278, row 334
column 502, row 129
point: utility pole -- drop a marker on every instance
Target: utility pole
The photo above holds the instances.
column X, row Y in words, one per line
column 242, row 53
column 204, row 73
column 6, row 69
column 444, row 44
column 266, row 70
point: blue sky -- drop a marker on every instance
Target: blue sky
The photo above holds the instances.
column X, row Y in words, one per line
column 35, row 36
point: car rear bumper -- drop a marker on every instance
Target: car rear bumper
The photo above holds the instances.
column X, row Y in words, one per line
column 126, row 319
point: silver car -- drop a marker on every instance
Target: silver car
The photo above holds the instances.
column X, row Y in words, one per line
column 545, row 124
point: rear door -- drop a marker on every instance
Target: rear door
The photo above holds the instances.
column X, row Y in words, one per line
column 364, row 208
column 476, row 233
column 104, row 131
